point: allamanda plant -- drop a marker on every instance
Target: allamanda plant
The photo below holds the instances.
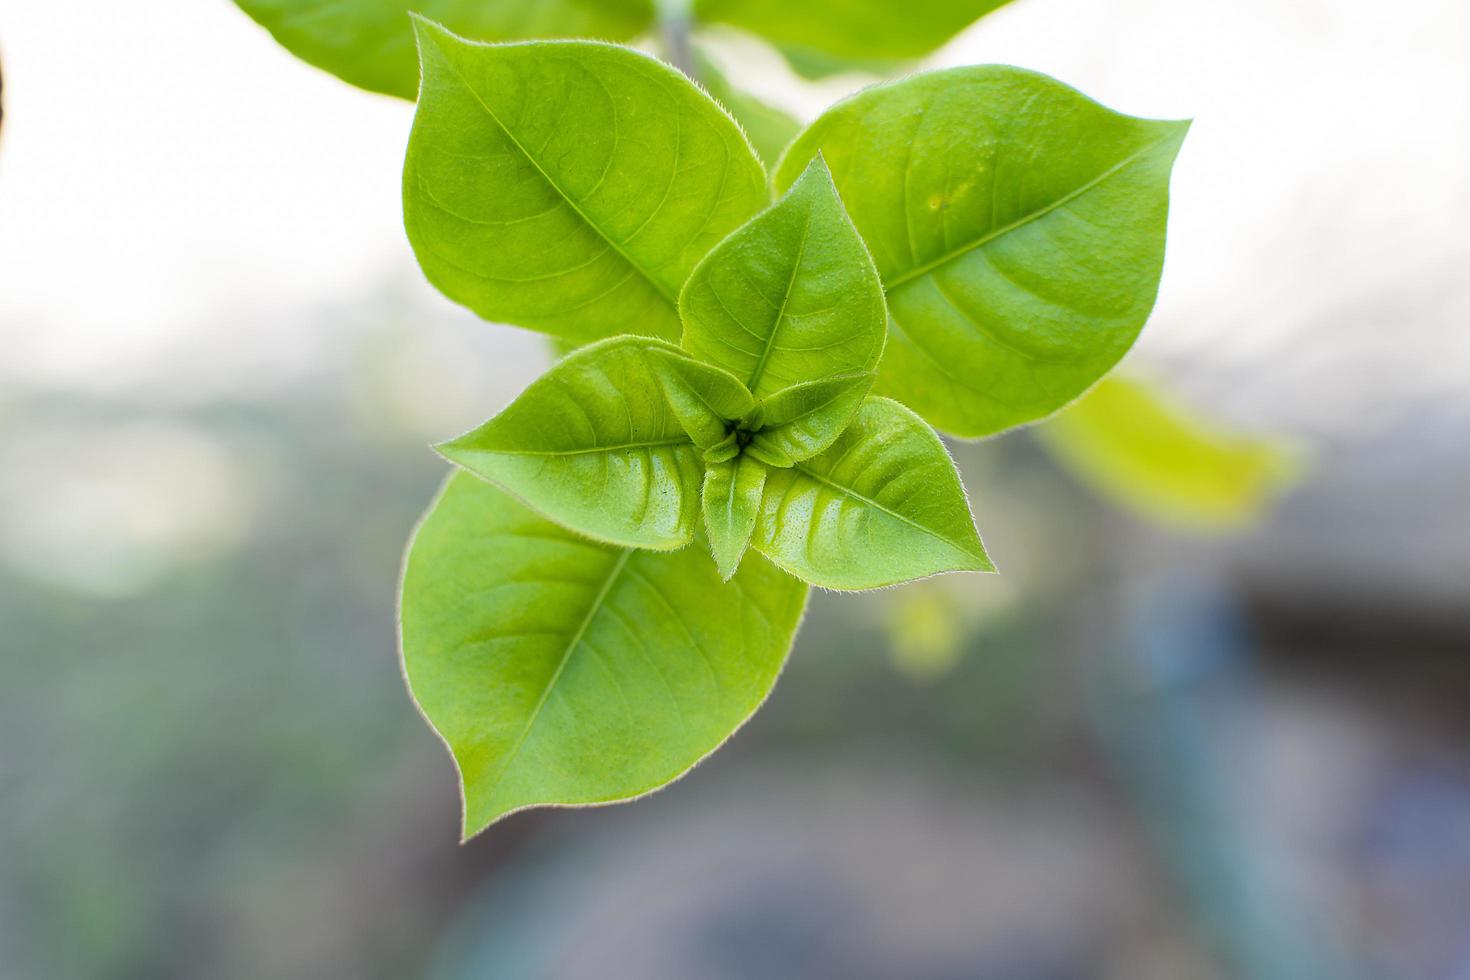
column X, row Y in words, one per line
column 610, row 582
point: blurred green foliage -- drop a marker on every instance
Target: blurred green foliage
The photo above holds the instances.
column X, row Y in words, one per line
column 1141, row 450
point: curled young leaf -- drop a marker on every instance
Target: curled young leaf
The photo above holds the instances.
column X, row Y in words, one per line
column 563, row 672
column 882, row 505
column 1018, row 227
column 732, row 502
column 798, row 422
column 705, row 399
column 370, row 42
column 592, row 445
column 790, row 297
column 569, row 186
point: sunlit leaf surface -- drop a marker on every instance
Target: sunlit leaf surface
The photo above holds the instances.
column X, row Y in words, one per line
column 559, row 671
column 1018, row 227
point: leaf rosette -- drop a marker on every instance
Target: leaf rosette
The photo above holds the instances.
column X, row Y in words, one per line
column 609, row 584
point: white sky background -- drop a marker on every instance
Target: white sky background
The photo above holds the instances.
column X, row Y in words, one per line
column 187, row 213
column 166, row 169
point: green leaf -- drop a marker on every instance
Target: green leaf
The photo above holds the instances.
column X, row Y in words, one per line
column 817, row 34
column 568, row 186
column 704, row 398
column 732, row 502
column 790, row 297
column 559, row 671
column 1018, row 227
column 798, row 422
column 1139, row 450
column 883, row 505
column 591, row 444
column 370, row 42
column 769, row 128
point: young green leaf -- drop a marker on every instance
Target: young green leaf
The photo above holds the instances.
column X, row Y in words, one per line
column 1136, row 448
column 1018, row 227
column 370, row 42
column 732, row 502
column 592, row 445
column 705, row 399
column 790, row 297
column 569, row 186
column 813, row 32
column 563, row 672
column 883, row 505
column 798, row 422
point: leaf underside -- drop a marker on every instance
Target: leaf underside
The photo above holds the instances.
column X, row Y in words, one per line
column 569, row 186
column 563, row 672
column 1018, row 228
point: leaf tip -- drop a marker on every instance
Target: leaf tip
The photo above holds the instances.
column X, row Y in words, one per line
column 478, row 813
column 426, row 30
column 450, row 450
column 1174, row 131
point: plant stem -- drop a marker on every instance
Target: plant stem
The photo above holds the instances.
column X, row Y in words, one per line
column 675, row 22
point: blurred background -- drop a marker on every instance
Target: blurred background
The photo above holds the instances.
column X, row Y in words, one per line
column 1152, row 750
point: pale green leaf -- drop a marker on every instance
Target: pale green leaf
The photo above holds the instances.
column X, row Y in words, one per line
column 1018, row 227
column 883, row 505
column 370, row 42
column 704, row 398
column 1140, row 450
column 818, row 35
column 732, row 502
column 769, row 128
column 569, row 186
column 798, row 422
column 592, row 445
column 790, row 297
column 563, row 672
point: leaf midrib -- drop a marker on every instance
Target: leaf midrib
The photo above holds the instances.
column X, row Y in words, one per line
column 760, row 365
column 923, row 270
column 652, row 444
column 662, row 290
column 849, row 491
column 592, row 611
